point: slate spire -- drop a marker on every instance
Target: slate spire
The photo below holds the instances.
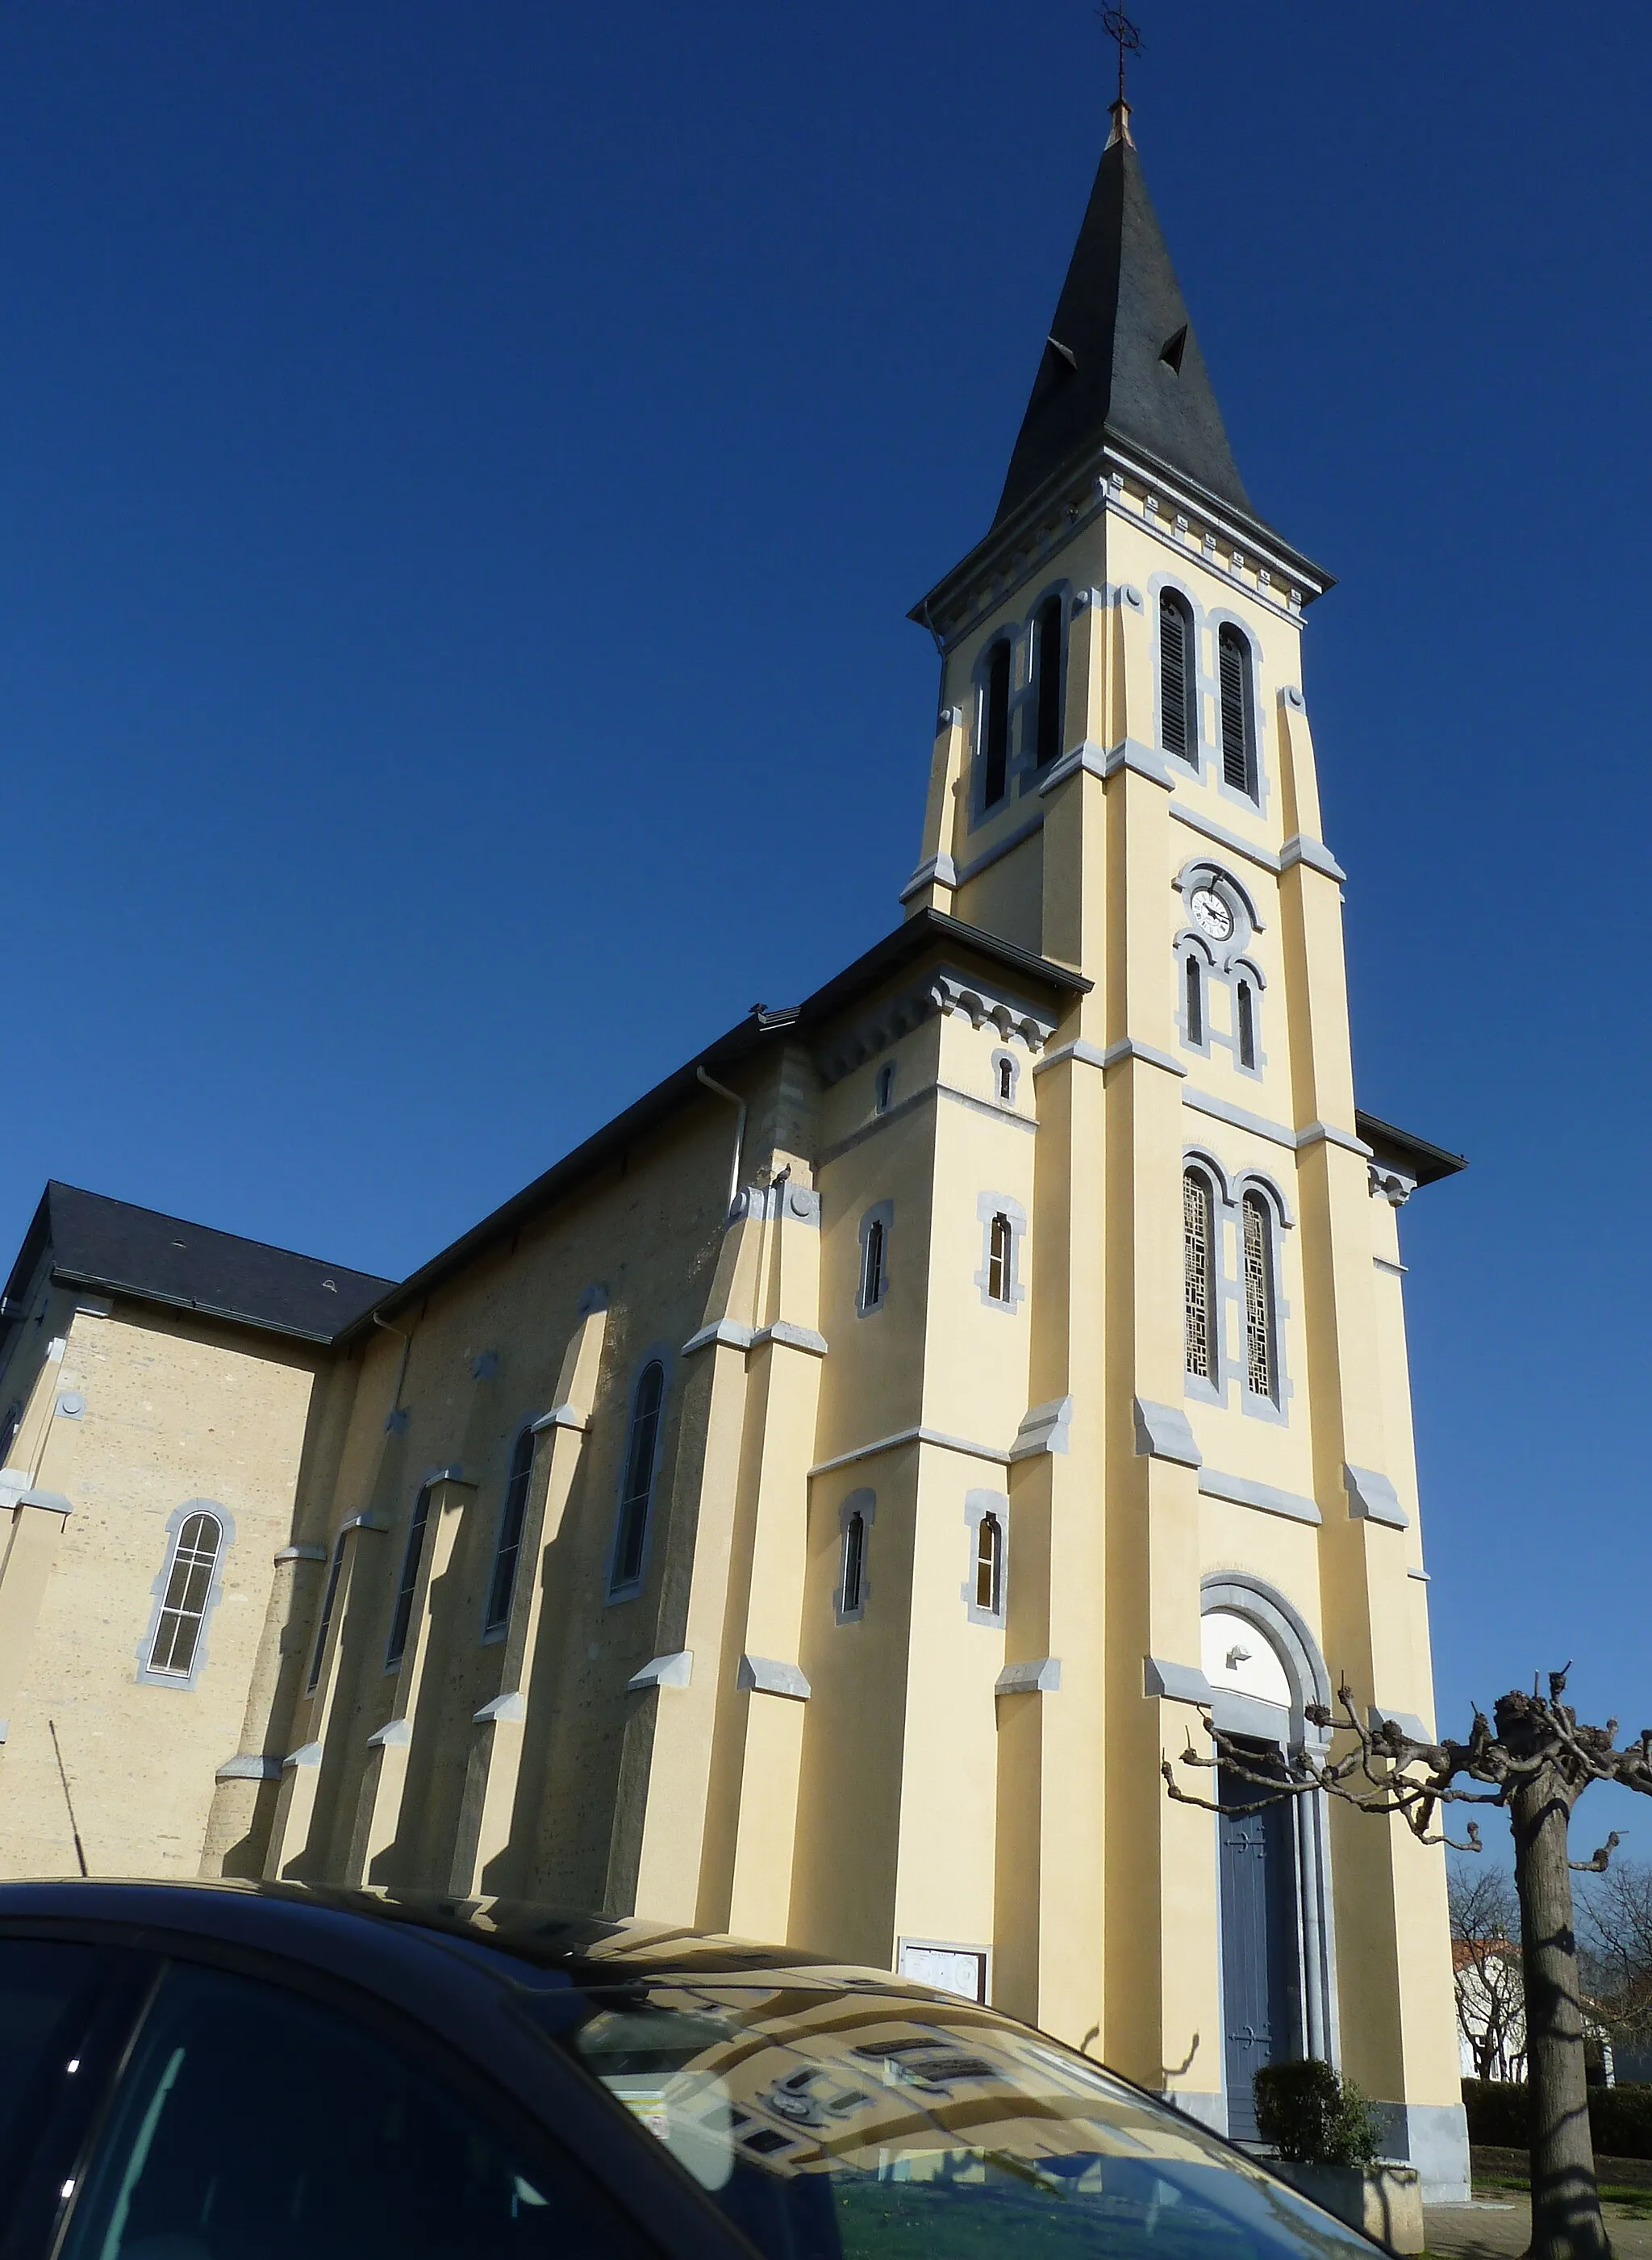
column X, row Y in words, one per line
column 1121, row 359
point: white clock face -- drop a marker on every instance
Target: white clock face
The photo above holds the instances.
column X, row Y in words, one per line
column 1211, row 913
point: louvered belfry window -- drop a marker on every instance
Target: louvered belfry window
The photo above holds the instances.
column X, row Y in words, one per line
column 1198, row 1276
column 1238, row 767
column 1177, row 684
column 994, row 718
column 1259, row 1344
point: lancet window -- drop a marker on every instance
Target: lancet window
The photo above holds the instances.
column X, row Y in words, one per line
column 995, row 726
column 1198, row 1276
column 402, row 1615
column 1047, row 680
column 183, row 1603
column 637, row 1486
column 1261, row 1362
column 512, row 1510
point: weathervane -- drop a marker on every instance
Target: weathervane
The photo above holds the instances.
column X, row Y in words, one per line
column 1119, row 27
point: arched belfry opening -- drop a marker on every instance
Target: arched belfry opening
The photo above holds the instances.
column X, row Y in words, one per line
column 1277, row 1973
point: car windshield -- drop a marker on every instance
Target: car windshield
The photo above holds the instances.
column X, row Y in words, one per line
column 835, row 2121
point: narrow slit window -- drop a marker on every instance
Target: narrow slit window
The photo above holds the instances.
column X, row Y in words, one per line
column 402, row 1615
column 1195, row 1014
column 637, row 1487
column 988, row 1565
column 1238, row 751
column 884, row 1087
column 854, row 1562
column 1047, row 663
column 188, row 1589
column 1247, row 1008
column 874, row 1268
column 1000, row 1258
column 1261, row 1361
column 9, row 1428
column 1198, row 1276
column 995, row 719
column 329, row 1602
column 510, row 1517
column 1178, row 682
column 1006, row 1080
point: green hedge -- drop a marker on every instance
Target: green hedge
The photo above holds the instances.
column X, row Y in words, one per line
column 1619, row 2118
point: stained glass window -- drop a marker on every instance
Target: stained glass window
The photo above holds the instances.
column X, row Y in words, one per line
column 1259, row 1320
column 1198, row 1278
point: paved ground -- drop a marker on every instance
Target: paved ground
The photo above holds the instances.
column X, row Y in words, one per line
column 1502, row 2231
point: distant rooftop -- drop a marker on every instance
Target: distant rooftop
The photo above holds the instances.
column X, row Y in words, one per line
column 115, row 1247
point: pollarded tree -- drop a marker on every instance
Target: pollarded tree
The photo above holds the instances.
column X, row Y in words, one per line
column 1534, row 1759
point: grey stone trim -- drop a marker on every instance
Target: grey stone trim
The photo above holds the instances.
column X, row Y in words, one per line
column 1042, row 1676
column 937, row 1437
column 663, row 1672
column 146, row 1676
column 728, row 1333
column 1128, row 1048
column 302, row 1554
column 1238, row 1117
column 763, row 1675
column 977, row 1505
column 1196, row 821
column 1044, row 1428
column 791, row 1337
column 1007, row 845
column 561, row 1416
column 994, row 1110
column 1201, row 871
column 1302, row 847
column 71, row 1406
column 365, row 1520
column 847, row 1144
column 1395, row 1186
column 1164, row 1433
column 1407, row 1721
column 453, row 1473
column 1251, row 1714
column 1090, row 1054
column 1384, row 1263
column 249, row 1766
column 1371, row 1497
column 1205, row 2110
column 1322, row 1133
column 1421, row 1576
column 94, row 1307
column 988, row 1205
column 954, row 992
column 1432, row 2137
column 5, row 1730
column 1094, row 761
column 766, row 1204
column 394, row 1734
column 55, row 1503
column 1242, row 1492
column 307, row 1754
column 935, row 870
column 946, row 990
column 1175, row 1683
column 508, row 1709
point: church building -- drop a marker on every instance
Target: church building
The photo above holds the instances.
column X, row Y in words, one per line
column 814, row 1507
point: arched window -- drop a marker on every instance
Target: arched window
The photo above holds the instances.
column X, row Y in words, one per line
column 510, row 1513
column 874, row 1267
column 1179, row 678
column 1260, row 1359
column 1245, row 1006
column 854, row 1564
column 884, row 1087
column 9, row 1428
column 402, row 1615
column 1198, row 1276
column 1239, row 748
column 988, row 1565
column 1000, row 1258
column 995, row 726
column 1046, row 675
column 1006, row 1080
column 188, row 1587
column 1194, row 1016
column 329, row 1601
column 637, row 1488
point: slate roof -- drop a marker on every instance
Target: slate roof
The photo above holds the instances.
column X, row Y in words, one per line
column 114, row 1246
column 1122, row 359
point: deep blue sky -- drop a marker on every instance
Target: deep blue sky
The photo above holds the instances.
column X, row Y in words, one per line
column 463, row 470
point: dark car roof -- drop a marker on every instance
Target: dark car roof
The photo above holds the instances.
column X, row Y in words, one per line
column 579, row 1949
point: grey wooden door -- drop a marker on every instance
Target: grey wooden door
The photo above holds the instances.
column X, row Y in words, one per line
column 1259, row 1948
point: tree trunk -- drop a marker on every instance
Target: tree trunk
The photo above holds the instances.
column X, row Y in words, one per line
column 1566, row 2223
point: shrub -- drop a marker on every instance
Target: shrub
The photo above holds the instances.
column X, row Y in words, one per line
column 1311, row 2116
column 1619, row 2118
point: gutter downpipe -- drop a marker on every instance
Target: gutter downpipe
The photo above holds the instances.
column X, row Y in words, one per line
column 735, row 1099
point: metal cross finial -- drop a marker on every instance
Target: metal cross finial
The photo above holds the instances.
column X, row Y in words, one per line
column 1119, row 27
